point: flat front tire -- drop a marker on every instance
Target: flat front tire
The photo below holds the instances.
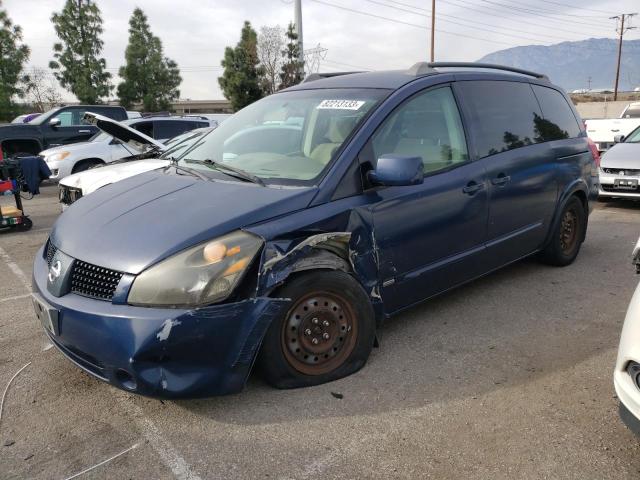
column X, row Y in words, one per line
column 325, row 333
column 567, row 235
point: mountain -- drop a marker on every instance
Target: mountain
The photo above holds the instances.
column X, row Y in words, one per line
column 570, row 64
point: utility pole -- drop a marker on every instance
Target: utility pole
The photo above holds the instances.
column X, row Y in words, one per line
column 621, row 19
column 298, row 16
column 433, row 29
column 589, row 83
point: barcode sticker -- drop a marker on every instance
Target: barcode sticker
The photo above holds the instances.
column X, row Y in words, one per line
column 341, row 104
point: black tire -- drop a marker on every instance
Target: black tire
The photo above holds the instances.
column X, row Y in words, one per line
column 567, row 236
column 342, row 318
column 25, row 225
column 85, row 165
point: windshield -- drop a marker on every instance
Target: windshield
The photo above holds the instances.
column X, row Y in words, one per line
column 632, row 112
column 288, row 137
column 180, row 143
column 633, row 137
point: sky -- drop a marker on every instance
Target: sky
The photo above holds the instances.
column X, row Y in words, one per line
column 358, row 34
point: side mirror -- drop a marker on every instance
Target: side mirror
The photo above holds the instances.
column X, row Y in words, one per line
column 397, row 170
column 54, row 122
column 618, row 139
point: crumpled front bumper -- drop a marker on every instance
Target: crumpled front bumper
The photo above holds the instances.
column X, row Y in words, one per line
column 160, row 352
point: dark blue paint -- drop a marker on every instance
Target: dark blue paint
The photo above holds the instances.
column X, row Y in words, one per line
column 406, row 243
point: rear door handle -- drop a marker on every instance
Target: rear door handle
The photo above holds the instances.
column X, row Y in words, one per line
column 472, row 187
column 500, row 179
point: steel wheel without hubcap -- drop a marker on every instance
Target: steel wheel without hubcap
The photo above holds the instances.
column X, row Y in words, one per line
column 568, row 231
column 319, row 333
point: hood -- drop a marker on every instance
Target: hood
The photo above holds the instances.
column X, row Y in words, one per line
column 18, row 130
column 122, row 132
column 95, row 178
column 73, row 148
column 622, row 155
column 132, row 224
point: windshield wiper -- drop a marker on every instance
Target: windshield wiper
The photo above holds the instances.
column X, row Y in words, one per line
column 235, row 172
column 190, row 171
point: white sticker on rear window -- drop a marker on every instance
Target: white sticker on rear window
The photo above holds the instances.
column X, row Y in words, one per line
column 341, row 104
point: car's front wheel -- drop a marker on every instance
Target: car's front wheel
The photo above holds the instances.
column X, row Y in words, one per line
column 326, row 333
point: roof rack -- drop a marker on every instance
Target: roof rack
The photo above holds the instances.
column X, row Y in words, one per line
column 424, row 68
column 317, row 76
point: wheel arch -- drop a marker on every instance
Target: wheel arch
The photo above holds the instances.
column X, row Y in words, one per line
column 576, row 189
column 84, row 161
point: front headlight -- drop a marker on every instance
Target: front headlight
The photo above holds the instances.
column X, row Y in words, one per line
column 200, row 275
column 56, row 157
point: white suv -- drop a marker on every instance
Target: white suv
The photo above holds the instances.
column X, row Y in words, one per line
column 103, row 148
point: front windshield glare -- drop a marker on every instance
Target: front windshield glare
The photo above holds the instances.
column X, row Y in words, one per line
column 288, row 137
column 634, row 137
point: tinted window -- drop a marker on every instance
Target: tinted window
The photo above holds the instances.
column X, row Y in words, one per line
column 145, row 127
column 115, row 113
column 505, row 115
column 559, row 120
column 170, row 128
column 632, row 111
column 428, row 126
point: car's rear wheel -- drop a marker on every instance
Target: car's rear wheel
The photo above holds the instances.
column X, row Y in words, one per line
column 568, row 235
column 326, row 333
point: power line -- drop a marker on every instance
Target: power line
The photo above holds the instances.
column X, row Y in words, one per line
column 439, row 15
column 574, row 6
column 408, row 23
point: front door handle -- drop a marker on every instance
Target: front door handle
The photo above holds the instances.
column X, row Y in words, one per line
column 500, row 179
column 472, row 187
column 84, row 131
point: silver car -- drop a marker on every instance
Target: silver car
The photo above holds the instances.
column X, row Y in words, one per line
column 620, row 168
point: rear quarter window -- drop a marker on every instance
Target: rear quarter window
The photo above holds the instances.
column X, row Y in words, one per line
column 170, row 128
column 504, row 115
column 559, row 120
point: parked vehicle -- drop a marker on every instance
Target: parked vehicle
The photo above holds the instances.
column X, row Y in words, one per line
column 626, row 377
column 396, row 187
column 603, row 131
column 620, row 168
column 82, row 184
column 103, row 149
column 60, row 126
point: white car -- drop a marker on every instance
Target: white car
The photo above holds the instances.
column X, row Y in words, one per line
column 619, row 170
column 103, row 148
column 626, row 377
column 81, row 184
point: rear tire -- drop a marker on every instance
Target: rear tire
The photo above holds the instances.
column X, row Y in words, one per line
column 325, row 333
column 567, row 235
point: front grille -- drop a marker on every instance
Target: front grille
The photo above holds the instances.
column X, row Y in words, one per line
column 612, row 188
column 625, row 172
column 68, row 195
column 51, row 251
column 93, row 281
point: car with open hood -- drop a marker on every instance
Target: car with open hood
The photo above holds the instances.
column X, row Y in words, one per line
column 288, row 235
column 103, row 148
column 619, row 172
column 151, row 155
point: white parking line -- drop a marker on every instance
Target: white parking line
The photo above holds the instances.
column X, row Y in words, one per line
column 15, row 297
column 13, row 266
column 169, row 455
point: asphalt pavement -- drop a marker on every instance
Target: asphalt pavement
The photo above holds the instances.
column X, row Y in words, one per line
column 507, row 377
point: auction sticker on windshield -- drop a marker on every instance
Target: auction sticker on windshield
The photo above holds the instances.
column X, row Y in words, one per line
column 341, row 104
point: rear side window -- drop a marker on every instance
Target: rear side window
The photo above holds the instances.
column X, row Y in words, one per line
column 145, row 127
column 111, row 112
column 505, row 115
column 559, row 120
column 166, row 129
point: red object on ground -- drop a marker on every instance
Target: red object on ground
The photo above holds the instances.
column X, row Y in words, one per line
column 6, row 185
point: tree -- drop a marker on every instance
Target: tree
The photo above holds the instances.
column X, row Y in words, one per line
column 240, row 82
column 270, row 46
column 77, row 65
column 41, row 90
column 291, row 70
column 13, row 56
column 149, row 77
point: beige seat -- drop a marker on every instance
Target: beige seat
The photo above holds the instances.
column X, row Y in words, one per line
column 338, row 130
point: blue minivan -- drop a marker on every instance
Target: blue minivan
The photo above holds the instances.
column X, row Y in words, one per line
column 285, row 237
